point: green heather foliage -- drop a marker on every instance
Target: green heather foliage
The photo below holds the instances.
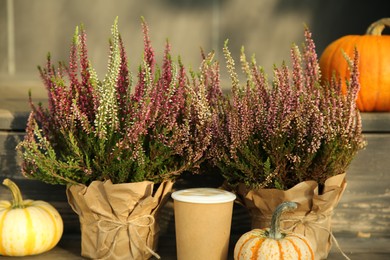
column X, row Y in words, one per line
column 263, row 134
column 109, row 129
column 293, row 129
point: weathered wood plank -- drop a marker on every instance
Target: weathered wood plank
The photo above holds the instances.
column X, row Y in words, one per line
column 365, row 206
column 353, row 247
column 14, row 104
column 15, row 121
column 376, row 122
column 9, row 161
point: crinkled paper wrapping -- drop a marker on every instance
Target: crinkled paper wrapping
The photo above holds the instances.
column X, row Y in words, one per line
column 118, row 221
column 312, row 218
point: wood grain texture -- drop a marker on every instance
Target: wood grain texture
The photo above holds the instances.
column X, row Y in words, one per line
column 365, row 205
column 9, row 161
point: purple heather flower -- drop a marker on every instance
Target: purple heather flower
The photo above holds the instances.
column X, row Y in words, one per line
column 291, row 130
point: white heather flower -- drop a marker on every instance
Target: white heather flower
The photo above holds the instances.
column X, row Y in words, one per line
column 107, row 108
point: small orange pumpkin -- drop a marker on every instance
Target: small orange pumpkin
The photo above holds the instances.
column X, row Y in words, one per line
column 374, row 65
column 271, row 244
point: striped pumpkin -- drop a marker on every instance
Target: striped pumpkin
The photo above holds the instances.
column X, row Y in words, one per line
column 27, row 227
column 271, row 244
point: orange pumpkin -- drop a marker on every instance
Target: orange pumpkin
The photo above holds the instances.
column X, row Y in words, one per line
column 271, row 244
column 374, row 65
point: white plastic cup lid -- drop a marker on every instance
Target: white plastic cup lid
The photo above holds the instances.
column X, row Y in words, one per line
column 203, row 195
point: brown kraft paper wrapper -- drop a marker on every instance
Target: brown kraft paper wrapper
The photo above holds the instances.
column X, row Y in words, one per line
column 312, row 218
column 118, row 221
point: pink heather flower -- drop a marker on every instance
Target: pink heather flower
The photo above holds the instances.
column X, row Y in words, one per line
column 98, row 130
column 291, row 130
column 85, row 91
column 148, row 50
column 123, row 86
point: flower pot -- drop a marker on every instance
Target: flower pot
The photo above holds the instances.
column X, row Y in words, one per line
column 118, row 221
column 203, row 219
column 312, row 218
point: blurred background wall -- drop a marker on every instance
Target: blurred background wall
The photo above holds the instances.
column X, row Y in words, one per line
column 29, row 29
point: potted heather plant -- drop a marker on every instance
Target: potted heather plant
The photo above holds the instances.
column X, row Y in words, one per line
column 289, row 140
column 117, row 149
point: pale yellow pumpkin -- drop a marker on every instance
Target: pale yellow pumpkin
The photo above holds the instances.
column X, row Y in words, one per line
column 271, row 244
column 27, row 227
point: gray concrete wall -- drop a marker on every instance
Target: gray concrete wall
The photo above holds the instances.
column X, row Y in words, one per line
column 265, row 27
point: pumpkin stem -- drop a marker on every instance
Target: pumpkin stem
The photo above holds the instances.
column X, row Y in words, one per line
column 16, row 194
column 274, row 231
column 377, row 27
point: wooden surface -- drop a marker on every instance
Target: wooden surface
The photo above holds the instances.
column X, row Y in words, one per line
column 363, row 245
column 356, row 248
column 364, row 208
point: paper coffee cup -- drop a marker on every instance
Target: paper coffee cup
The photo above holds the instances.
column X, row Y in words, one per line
column 203, row 219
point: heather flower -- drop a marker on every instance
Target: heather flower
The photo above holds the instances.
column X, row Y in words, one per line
column 290, row 130
column 103, row 129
